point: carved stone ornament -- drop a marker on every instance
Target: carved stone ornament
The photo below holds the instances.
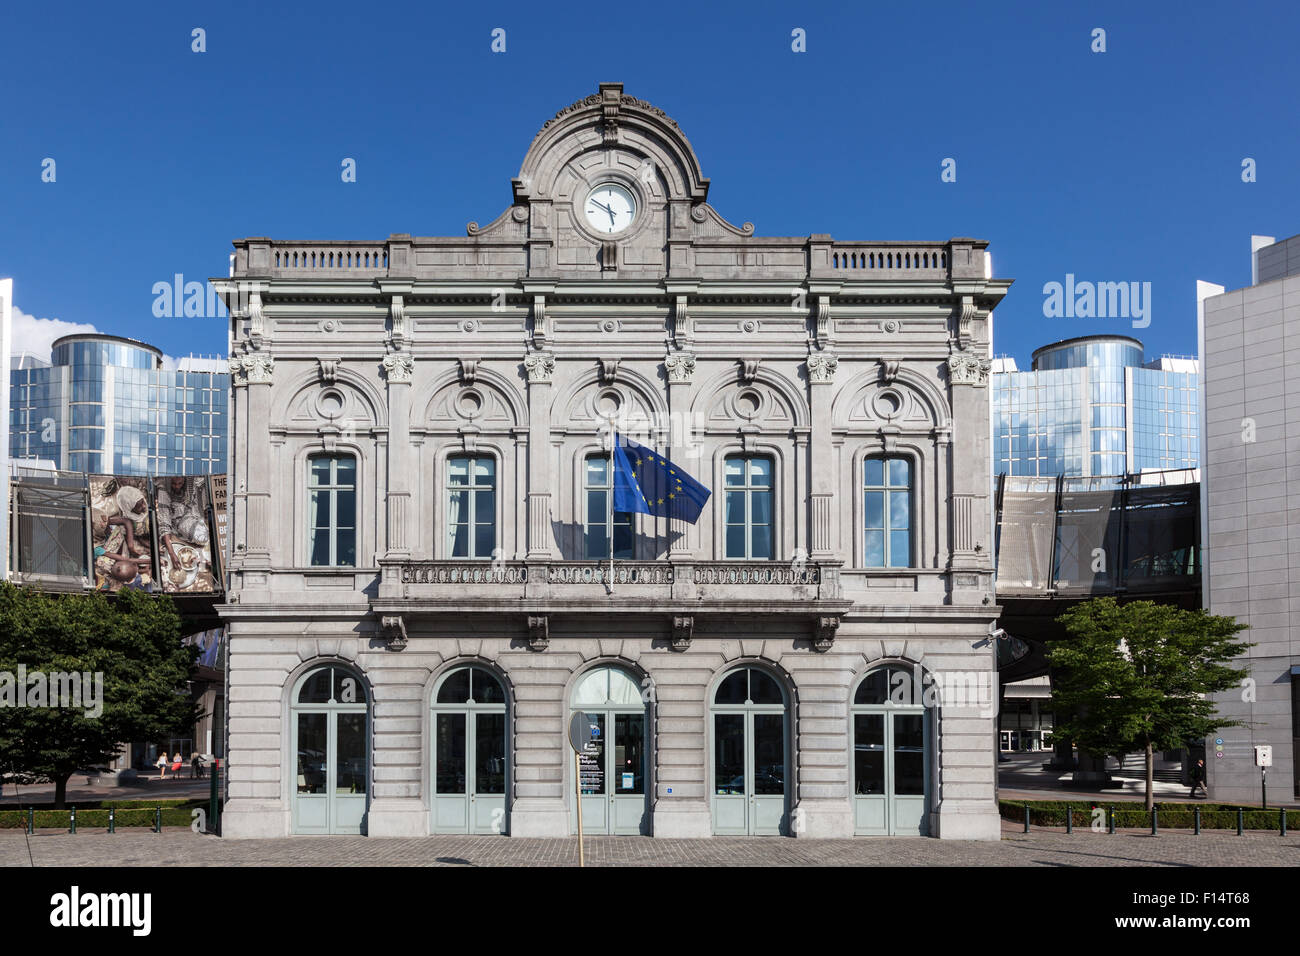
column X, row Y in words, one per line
column 393, row 630
column 965, row 319
column 540, row 366
column 749, row 370
column 683, row 331
column 541, row 324
column 468, row 371
column 823, row 319
column 968, row 368
column 329, row 370
column 683, row 631
column 539, row 632
column 256, row 320
column 608, row 370
column 397, row 335
column 821, row 367
column 889, row 370
column 399, row 366
column 824, row 629
column 680, row 366
column 252, row 368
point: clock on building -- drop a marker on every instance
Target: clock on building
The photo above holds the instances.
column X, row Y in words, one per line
column 610, row 208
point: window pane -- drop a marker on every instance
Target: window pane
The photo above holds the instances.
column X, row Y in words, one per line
column 734, row 470
column 485, row 507
column 763, row 689
column 909, row 754
column 873, row 689
column 597, row 470
column 316, row 688
column 350, row 759
column 484, row 469
column 347, row 506
column 629, row 758
column 312, row 742
column 320, row 471
column 320, row 502
column 769, row 753
column 761, row 541
column 458, row 471
column 760, row 504
column 898, row 510
column 455, row 689
column 459, row 540
column 900, row 549
column 490, row 753
column 484, row 540
column 451, row 753
column 900, row 470
column 875, row 509
column 734, row 689
column 623, row 541
column 760, row 471
column 734, row 507
column 874, row 551
column 597, row 542
column 486, row 688
column 320, row 548
column 735, row 541
column 869, row 753
column 596, row 506
column 729, row 753
column 875, row 471
column 347, row 548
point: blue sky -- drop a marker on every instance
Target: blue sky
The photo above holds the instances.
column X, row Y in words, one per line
column 1115, row 166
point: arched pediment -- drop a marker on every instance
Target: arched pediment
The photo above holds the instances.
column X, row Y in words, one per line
column 347, row 400
column 909, row 400
column 635, row 404
column 770, row 401
column 488, row 400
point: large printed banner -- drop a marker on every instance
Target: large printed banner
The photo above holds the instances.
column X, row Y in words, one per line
column 184, row 546
column 120, row 536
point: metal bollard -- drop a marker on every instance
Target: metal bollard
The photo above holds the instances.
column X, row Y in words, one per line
column 1069, row 819
column 1026, row 818
column 214, row 803
column 1155, row 821
column 1241, row 814
column 1110, row 816
column 1282, row 817
column 1196, row 821
column 72, row 820
column 157, row 820
column 112, row 823
column 31, row 820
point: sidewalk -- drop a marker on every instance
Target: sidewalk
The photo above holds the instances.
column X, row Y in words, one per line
column 147, row 787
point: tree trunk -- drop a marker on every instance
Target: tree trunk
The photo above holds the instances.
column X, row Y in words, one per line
column 1151, row 775
column 61, row 791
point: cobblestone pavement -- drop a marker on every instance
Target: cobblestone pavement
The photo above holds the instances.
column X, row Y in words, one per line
column 1042, row 847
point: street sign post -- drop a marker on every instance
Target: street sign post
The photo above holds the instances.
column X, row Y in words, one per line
column 584, row 738
column 1263, row 760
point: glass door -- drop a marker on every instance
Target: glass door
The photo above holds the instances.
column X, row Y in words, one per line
column 750, row 760
column 613, row 776
column 890, row 755
column 331, row 730
column 470, row 765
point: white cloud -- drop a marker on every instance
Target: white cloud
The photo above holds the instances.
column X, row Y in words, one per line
column 34, row 336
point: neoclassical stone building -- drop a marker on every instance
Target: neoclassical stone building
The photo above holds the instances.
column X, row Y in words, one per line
column 420, row 590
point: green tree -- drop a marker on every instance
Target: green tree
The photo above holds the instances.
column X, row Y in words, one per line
column 1136, row 676
column 133, row 639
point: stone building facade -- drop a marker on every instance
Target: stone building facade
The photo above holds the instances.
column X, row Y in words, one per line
column 421, row 592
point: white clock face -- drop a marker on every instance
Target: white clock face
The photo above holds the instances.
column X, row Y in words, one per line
column 610, row 208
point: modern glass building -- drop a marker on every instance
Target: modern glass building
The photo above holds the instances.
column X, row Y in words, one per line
column 105, row 404
column 1091, row 407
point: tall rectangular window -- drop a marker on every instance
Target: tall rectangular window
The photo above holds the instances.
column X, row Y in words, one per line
column 332, row 510
column 471, row 507
column 887, row 507
column 748, row 507
column 601, row 525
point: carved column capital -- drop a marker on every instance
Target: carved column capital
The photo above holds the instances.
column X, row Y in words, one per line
column 967, row 367
column 540, row 366
column 680, row 366
column 398, row 367
column 821, row 367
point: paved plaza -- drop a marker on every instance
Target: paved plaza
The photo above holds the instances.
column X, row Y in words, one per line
column 1042, row 847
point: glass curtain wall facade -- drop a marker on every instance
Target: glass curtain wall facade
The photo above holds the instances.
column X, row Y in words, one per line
column 1090, row 407
column 107, row 405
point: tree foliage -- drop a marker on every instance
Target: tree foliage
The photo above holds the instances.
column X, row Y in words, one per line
column 1135, row 676
column 133, row 639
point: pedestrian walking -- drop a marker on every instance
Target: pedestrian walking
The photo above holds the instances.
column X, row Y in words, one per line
column 162, row 763
column 1198, row 779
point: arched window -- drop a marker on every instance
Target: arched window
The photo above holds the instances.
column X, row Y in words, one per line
column 470, row 755
column 331, row 732
column 890, row 752
column 750, row 756
column 748, row 505
column 887, row 513
column 471, row 507
column 601, row 525
column 332, row 510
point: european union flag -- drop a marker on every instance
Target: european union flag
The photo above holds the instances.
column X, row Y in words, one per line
column 647, row 482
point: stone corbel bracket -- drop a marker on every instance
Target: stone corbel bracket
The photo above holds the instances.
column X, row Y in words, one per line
column 683, row 632
column 539, row 632
column 824, row 629
column 392, row 629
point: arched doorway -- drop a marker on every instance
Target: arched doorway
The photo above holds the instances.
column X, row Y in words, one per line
column 330, row 717
column 470, row 757
column 614, row 792
column 891, row 754
column 751, row 765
